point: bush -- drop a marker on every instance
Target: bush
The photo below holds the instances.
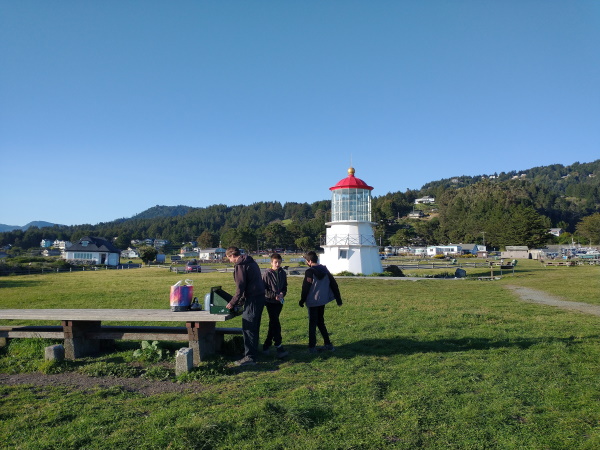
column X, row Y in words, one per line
column 151, row 352
column 394, row 271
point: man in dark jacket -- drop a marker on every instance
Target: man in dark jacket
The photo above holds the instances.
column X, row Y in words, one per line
column 318, row 288
column 250, row 290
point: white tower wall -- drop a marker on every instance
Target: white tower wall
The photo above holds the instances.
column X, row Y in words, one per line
column 350, row 244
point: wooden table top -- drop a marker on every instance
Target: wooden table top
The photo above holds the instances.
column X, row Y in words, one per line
column 122, row 315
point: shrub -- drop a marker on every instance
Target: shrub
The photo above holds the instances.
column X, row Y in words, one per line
column 393, row 271
column 151, row 352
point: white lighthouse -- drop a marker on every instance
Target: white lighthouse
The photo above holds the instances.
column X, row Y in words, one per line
column 349, row 241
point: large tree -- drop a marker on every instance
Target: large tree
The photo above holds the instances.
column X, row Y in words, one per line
column 524, row 226
column 589, row 228
column 123, row 240
column 207, row 240
column 276, row 235
column 147, row 253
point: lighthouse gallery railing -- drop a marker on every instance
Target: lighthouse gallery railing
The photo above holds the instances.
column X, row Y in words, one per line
column 349, row 239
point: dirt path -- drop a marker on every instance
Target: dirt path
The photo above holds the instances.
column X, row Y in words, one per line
column 542, row 298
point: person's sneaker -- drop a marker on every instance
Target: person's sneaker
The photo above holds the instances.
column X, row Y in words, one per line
column 245, row 361
column 312, row 350
column 282, row 352
column 266, row 350
column 329, row 347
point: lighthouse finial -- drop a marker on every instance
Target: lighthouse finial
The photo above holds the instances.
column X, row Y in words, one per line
column 351, row 171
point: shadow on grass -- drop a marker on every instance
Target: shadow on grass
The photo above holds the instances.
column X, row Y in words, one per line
column 407, row 346
column 7, row 282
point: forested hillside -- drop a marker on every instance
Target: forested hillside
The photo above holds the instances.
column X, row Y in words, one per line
column 515, row 208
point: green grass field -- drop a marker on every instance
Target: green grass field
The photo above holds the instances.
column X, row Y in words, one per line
column 460, row 364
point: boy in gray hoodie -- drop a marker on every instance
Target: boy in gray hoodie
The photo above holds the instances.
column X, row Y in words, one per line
column 318, row 288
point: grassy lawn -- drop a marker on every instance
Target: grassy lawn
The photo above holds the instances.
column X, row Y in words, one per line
column 419, row 364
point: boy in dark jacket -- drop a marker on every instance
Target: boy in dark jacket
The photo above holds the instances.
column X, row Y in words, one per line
column 275, row 280
column 318, row 288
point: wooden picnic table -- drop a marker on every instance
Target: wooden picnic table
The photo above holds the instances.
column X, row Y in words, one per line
column 82, row 329
column 560, row 263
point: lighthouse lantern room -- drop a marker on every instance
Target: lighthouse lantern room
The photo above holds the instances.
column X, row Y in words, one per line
column 349, row 243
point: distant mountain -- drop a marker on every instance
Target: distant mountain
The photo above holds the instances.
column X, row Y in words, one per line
column 163, row 211
column 8, row 227
column 36, row 223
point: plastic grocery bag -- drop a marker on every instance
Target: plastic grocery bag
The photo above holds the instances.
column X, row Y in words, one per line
column 181, row 295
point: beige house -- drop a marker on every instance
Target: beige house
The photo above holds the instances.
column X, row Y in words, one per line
column 516, row 252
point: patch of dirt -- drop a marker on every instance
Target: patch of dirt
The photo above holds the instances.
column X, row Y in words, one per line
column 76, row 381
column 543, row 298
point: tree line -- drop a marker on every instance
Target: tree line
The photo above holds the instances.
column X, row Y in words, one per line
column 514, row 208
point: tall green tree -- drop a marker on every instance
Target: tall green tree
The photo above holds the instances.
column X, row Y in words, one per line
column 123, row 240
column 589, row 227
column 524, row 226
column 276, row 235
column 147, row 253
column 305, row 244
column 207, row 240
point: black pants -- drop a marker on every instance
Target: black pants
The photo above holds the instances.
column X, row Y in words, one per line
column 274, row 333
column 253, row 309
column 316, row 319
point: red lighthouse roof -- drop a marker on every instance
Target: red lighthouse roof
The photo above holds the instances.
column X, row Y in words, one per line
column 351, row 182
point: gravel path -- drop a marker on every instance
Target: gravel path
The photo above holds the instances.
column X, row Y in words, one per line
column 542, row 298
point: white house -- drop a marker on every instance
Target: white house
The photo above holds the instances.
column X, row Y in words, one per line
column 416, row 214
column 425, row 200
column 450, row 249
column 61, row 244
column 211, row 253
column 473, row 249
column 556, row 231
column 93, row 250
column 130, row 253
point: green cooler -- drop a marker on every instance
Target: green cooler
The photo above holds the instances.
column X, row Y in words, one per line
column 216, row 301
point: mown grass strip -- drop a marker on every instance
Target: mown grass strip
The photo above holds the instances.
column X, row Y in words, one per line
column 425, row 364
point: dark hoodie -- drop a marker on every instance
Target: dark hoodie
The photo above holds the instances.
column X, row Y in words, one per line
column 248, row 280
column 315, row 294
column 275, row 282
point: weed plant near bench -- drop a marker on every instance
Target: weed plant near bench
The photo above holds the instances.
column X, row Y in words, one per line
column 419, row 364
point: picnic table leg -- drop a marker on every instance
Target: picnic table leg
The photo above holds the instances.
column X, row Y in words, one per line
column 76, row 344
column 201, row 336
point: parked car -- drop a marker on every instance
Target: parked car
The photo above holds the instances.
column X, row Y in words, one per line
column 193, row 266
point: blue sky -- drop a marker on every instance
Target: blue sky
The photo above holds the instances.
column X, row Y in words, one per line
column 108, row 107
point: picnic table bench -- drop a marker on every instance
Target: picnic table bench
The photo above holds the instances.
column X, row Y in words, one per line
column 560, row 263
column 83, row 332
